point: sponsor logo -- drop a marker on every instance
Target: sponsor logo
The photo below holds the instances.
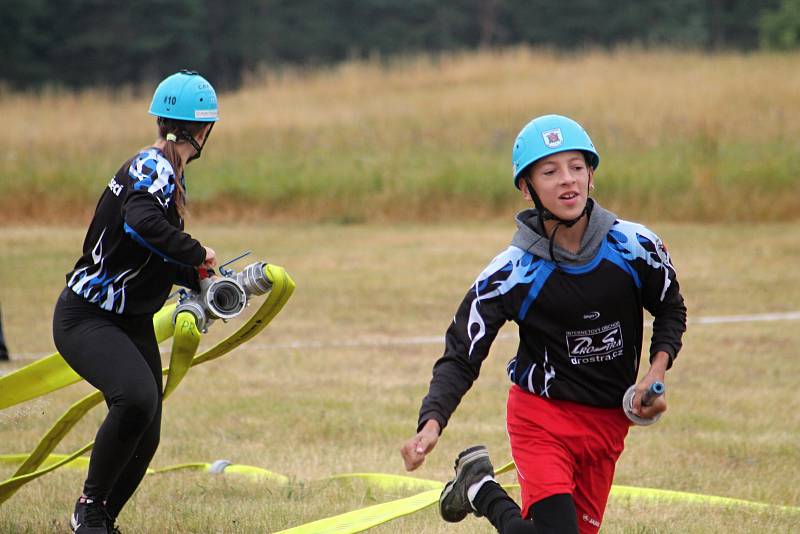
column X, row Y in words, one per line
column 115, row 187
column 205, row 114
column 591, row 520
column 553, row 138
column 594, row 345
column 592, row 315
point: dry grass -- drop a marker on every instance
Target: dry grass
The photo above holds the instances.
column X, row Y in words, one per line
column 431, row 137
column 310, row 412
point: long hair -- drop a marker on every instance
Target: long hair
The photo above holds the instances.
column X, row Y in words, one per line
column 174, row 126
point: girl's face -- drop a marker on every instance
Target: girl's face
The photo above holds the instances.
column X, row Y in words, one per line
column 562, row 182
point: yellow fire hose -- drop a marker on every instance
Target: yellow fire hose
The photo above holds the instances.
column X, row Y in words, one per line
column 52, row 373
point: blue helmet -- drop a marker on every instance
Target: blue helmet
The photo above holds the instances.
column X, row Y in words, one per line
column 546, row 135
column 185, row 96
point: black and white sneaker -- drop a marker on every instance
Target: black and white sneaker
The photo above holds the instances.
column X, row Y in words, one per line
column 472, row 465
column 89, row 517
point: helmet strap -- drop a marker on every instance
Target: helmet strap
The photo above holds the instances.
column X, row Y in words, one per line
column 184, row 134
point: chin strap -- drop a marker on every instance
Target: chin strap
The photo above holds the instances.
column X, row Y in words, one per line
column 545, row 214
column 184, row 134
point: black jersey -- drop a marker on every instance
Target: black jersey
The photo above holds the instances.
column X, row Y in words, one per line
column 135, row 248
column 580, row 326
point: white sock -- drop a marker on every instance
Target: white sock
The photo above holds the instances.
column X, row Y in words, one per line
column 472, row 491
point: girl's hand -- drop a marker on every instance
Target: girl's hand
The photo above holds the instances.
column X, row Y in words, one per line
column 211, row 258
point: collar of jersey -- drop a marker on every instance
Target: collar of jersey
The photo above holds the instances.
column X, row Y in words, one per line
column 594, row 262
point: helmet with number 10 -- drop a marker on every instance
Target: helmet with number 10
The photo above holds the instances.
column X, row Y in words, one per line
column 185, row 96
column 546, row 135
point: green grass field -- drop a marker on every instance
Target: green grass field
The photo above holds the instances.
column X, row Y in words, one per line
column 323, row 407
column 683, row 136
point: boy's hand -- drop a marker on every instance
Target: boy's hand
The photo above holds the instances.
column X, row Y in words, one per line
column 415, row 449
column 658, row 368
column 658, row 405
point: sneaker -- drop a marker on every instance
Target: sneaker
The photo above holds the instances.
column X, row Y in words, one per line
column 89, row 517
column 471, row 466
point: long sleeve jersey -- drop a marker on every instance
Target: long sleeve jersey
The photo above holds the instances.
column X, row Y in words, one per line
column 135, row 248
column 580, row 320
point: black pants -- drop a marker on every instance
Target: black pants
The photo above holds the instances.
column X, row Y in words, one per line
column 551, row 515
column 3, row 348
column 119, row 356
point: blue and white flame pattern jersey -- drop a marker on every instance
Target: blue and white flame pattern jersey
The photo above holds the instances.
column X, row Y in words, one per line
column 96, row 284
column 580, row 327
column 135, row 248
column 152, row 172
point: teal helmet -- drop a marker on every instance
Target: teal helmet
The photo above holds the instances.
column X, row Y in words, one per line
column 546, row 135
column 185, row 96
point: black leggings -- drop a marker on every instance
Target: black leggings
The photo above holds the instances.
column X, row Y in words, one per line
column 119, row 356
column 552, row 515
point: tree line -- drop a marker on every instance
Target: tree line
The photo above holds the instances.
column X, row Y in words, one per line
column 112, row 43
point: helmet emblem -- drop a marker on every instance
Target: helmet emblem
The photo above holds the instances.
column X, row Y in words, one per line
column 553, row 138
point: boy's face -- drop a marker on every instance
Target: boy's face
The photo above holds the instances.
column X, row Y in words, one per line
column 562, row 182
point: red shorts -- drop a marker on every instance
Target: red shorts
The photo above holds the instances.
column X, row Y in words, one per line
column 565, row 447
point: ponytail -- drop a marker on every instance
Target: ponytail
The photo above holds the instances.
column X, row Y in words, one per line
column 173, row 131
column 178, row 195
